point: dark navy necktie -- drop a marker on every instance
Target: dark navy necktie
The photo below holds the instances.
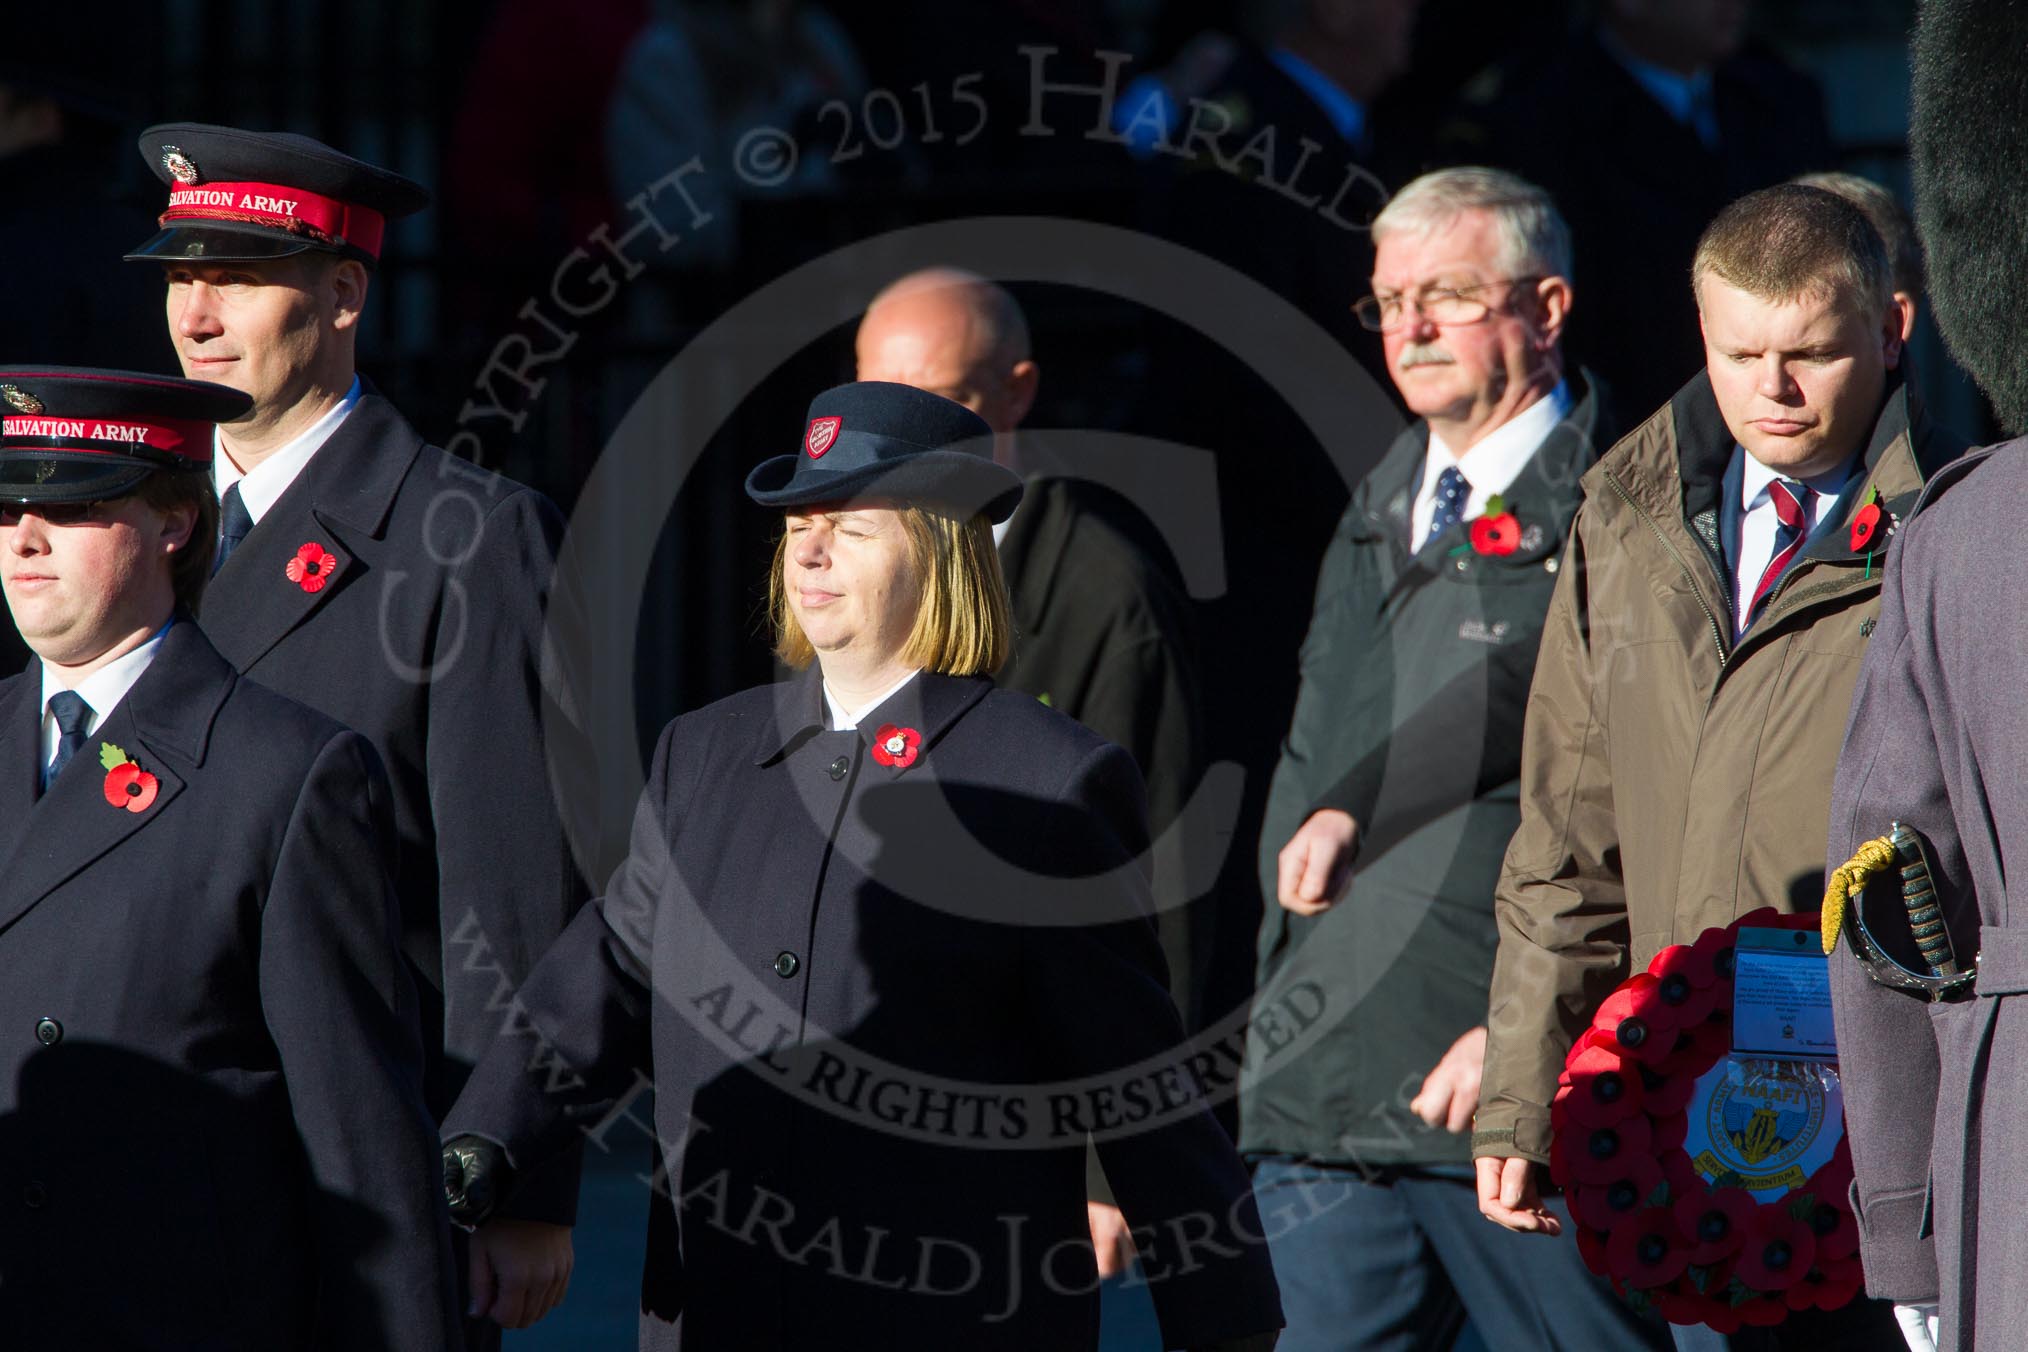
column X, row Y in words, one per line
column 234, row 521
column 72, row 715
column 1792, row 502
column 1451, row 495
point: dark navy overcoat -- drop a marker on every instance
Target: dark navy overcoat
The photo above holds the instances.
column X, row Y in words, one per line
column 882, row 1005
column 212, row 1132
column 424, row 635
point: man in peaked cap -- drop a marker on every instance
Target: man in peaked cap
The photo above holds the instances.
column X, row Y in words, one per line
column 387, row 584
column 1935, row 1087
column 212, row 1127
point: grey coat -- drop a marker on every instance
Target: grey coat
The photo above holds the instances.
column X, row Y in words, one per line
column 1938, row 735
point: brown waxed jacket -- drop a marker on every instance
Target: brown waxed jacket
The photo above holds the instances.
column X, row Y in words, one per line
column 1672, row 779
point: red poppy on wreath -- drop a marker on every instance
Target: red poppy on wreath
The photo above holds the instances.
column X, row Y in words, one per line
column 1701, row 963
column 127, row 784
column 1832, row 1282
column 1604, row 1088
column 1697, row 1048
column 1715, row 1223
column 1645, row 1251
column 1680, row 1306
column 1591, row 1248
column 1603, row 1206
column 1599, row 1154
column 1637, row 1020
column 1836, row 1228
column 896, row 746
column 1663, row 1095
column 312, row 567
column 1777, row 1253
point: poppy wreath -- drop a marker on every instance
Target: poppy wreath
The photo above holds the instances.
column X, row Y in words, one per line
column 1646, row 1219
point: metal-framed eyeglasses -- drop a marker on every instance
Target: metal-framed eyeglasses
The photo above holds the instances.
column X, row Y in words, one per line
column 1438, row 304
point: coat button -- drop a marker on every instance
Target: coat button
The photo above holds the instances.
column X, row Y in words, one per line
column 786, row 964
column 35, row 1196
column 836, row 769
column 48, row 1032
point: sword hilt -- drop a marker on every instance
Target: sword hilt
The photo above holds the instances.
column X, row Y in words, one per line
column 1918, row 897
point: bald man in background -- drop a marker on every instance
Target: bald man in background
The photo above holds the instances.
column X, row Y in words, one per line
column 1101, row 631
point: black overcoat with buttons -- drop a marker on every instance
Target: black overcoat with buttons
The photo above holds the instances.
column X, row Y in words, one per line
column 212, row 1132
column 881, row 1006
column 425, row 637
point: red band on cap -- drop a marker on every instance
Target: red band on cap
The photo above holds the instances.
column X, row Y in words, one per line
column 178, row 436
column 271, row 204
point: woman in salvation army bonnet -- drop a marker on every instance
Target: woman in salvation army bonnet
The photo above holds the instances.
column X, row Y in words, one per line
column 883, row 945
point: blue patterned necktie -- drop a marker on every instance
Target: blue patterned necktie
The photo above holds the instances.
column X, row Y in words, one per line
column 234, row 521
column 1451, row 495
column 71, row 714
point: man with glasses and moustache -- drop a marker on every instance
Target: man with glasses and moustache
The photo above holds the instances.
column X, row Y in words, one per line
column 1397, row 781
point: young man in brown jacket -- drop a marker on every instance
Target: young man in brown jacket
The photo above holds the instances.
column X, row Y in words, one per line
column 1700, row 653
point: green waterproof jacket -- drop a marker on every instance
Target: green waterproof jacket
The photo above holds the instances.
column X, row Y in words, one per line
column 1414, row 677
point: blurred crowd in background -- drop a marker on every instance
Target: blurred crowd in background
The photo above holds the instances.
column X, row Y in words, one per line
column 541, row 125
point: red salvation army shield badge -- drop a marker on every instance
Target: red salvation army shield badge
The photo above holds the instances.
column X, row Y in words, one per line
column 823, row 431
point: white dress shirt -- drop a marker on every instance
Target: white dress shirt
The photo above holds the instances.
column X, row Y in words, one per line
column 1491, row 465
column 260, row 487
column 842, row 721
column 1758, row 524
column 102, row 690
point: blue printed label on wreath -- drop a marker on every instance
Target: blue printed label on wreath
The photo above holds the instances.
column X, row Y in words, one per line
column 1764, row 1125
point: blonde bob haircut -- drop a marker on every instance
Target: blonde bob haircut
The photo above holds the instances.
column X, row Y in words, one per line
column 962, row 625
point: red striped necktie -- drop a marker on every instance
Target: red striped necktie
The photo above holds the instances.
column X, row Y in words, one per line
column 1792, row 503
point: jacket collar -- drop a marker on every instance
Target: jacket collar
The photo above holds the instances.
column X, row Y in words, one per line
column 1544, row 489
column 1036, row 539
column 163, row 725
column 929, row 704
column 341, row 499
column 1674, row 464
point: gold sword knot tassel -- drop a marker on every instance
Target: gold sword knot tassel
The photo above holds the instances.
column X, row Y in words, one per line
column 1848, row 880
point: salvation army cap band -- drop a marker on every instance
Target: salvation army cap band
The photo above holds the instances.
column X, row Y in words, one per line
column 239, row 195
column 320, row 219
column 77, row 434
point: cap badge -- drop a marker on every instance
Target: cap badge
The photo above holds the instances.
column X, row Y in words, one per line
column 20, row 399
column 823, row 431
column 180, row 166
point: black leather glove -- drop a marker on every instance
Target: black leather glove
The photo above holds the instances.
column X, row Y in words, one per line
column 476, row 1177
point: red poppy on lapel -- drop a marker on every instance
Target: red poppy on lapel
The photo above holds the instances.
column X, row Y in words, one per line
column 1496, row 535
column 1864, row 523
column 896, row 746
column 312, row 567
column 127, row 784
